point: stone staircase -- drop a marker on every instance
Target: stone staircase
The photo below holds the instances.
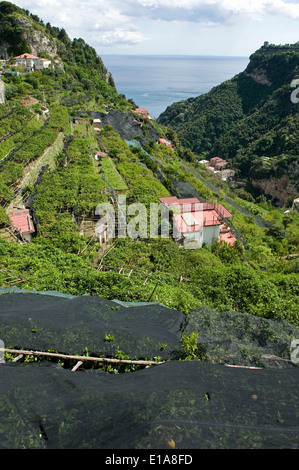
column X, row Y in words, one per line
column 87, row 227
column 9, row 234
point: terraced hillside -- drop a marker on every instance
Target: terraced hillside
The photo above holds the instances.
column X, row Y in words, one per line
column 52, row 163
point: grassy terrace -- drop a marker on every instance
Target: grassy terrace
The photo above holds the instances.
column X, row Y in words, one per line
column 112, row 175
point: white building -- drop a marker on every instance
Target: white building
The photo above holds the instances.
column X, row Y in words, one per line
column 195, row 222
column 32, row 62
column 41, row 64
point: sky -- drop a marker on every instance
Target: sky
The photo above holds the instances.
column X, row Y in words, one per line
column 172, row 27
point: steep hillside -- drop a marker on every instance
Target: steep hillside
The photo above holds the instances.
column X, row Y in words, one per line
column 250, row 120
column 69, row 141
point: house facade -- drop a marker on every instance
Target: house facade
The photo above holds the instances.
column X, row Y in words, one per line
column 31, row 62
column 197, row 222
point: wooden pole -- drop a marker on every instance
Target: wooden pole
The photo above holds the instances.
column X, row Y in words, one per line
column 79, row 363
column 77, row 358
column 153, row 291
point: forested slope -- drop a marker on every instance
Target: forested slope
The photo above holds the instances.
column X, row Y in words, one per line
column 250, row 120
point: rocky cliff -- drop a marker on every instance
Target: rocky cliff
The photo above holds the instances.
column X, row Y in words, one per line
column 279, row 188
column 259, row 75
column 250, row 121
column 39, row 43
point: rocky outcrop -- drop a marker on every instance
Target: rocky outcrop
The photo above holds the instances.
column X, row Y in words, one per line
column 279, row 188
column 259, row 75
column 3, row 50
column 38, row 41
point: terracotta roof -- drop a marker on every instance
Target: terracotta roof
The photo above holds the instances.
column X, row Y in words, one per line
column 21, row 219
column 102, row 154
column 142, row 111
column 165, row 142
column 26, row 56
column 198, row 220
column 183, row 227
column 223, row 211
column 187, row 204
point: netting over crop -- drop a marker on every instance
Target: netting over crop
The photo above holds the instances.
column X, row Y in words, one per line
column 72, row 325
column 186, row 404
column 243, row 339
column 177, row 404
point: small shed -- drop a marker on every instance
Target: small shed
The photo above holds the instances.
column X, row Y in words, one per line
column 99, row 155
column 22, row 221
column 97, row 125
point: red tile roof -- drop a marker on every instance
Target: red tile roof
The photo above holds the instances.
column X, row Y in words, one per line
column 222, row 211
column 202, row 214
column 187, row 204
column 142, row 111
column 26, row 56
column 101, row 154
column 166, row 142
column 21, row 219
column 200, row 218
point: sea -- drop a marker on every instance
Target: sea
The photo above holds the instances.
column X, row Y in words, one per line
column 154, row 82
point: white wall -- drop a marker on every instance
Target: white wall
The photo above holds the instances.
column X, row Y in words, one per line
column 210, row 233
column 2, row 94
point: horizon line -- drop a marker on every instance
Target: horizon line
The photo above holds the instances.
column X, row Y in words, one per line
column 173, row 55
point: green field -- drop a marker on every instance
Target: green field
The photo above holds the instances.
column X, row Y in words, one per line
column 112, row 175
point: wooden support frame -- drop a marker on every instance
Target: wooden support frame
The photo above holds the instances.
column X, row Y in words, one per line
column 79, row 358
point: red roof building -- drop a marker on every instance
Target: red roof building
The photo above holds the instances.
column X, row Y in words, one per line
column 220, row 165
column 215, row 160
column 101, row 155
column 26, row 56
column 142, row 112
column 202, row 220
column 166, row 142
column 22, row 221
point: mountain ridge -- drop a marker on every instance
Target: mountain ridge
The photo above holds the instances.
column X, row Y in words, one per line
column 241, row 120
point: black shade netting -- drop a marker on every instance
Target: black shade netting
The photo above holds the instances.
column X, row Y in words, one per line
column 72, row 325
column 185, row 404
column 242, row 339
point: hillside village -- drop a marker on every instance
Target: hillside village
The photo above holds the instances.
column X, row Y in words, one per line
column 201, row 223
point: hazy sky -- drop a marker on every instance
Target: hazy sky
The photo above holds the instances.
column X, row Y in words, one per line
column 196, row 27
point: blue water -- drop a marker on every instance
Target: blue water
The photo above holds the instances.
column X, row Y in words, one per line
column 155, row 82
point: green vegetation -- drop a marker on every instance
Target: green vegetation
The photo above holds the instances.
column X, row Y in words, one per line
column 111, row 174
column 258, row 275
column 249, row 120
